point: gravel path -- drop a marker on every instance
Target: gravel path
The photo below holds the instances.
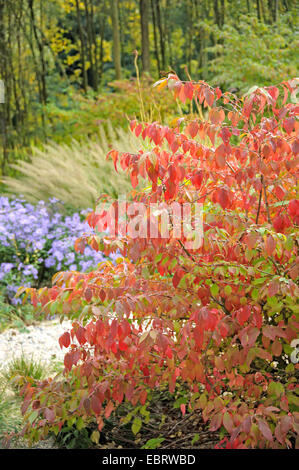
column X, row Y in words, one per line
column 39, row 343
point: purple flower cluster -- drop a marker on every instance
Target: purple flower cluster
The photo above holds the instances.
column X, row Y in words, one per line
column 36, row 241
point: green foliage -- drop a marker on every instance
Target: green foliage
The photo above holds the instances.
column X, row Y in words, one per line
column 16, row 316
column 22, row 369
column 254, row 53
column 70, row 437
column 153, row 443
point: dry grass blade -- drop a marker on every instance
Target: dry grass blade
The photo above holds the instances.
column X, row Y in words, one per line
column 74, row 174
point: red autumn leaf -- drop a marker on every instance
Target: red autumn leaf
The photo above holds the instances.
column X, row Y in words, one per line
column 280, row 436
column 88, row 294
column 108, row 410
column 65, row 340
column 216, row 422
column 175, row 145
column 49, row 415
column 276, row 347
column 79, row 245
column 138, row 130
column 293, row 207
column 102, row 294
column 198, row 337
column 177, row 277
column 134, row 179
column 228, row 422
column 197, row 179
column 133, row 124
column 223, row 197
column 294, row 272
column 265, row 430
column 114, row 155
column 143, row 397
column 270, row 245
column 217, row 115
column 96, row 404
column 80, row 335
column 192, row 129
column 243, row 314
column 188, row 90
column 286, row 423
column 288, row 124
column 220, row 156
column 209, row 96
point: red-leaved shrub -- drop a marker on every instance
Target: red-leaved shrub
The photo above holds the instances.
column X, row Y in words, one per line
column 220, row 318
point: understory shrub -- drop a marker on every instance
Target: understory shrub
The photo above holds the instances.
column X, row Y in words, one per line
column 259, row 53
column 217, row 318
column 36, row 241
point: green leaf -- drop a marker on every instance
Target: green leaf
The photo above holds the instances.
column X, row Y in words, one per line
column 32, row 416
column 254, row 294
column 179, row 402
column 136, row 425
column 153, row 443
column 276, row 389
column 289, row 244
column 227, row 290
column 80, row 424
column 214, row 289
column 95, row 437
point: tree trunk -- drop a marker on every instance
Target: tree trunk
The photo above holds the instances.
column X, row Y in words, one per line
column 82, row 43
column 216, row 13
column 222, row 13
column 116, row 38
column 161, row 32
column 40, row 46
column 145, row 47
column 258, row 11
column 155, row 36
column 2, row 85
column 90, row 48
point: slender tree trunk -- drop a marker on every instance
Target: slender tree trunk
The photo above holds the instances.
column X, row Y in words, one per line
column 101, row 58
column 276, row 10
column 258, row 10
column 161, row 33
column 3, row 121
column 95, row 45
column 216, row 13
column 145, row 47
column 154, row 19
column 40, row 46
column 263, row 17
column 222, row 13
column 82, row 45
column 116, row 38
column 90, row 48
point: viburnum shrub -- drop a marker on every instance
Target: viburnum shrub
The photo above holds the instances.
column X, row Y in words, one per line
column 220, row 318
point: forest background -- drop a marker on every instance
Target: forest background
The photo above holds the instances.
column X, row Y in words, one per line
column 68, row 66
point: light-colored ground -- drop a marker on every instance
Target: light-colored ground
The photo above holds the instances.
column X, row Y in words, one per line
column 39, row 342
